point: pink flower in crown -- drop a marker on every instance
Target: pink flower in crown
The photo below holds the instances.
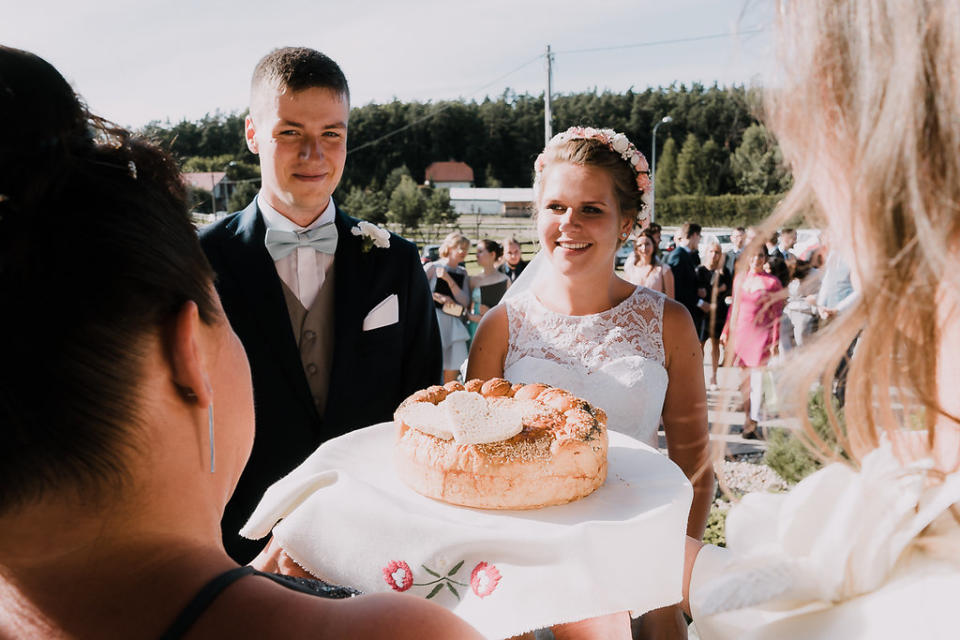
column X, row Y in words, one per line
column 641, row 164
column 643, row 182
column 484, row 579
column 397, row 574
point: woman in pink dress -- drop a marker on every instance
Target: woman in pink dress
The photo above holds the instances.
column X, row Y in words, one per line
column 752, row 332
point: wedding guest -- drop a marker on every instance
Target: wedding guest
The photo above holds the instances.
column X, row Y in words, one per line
column 656, row 233
column 513, row 263
column 644, row 268
column 867, row 114
column 490, row 284
column 752, row 330
column 737, row 240
column 318, row 298
column 717, row 283
column 773, row 246
column 451, row 293
column 683, row 262
column 787, row 241
column 801, row 313
column 126, row 428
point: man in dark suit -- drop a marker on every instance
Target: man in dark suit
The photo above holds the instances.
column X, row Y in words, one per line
column 737, row 238
column 336, row 316
column 513, row 262
column 683, row 261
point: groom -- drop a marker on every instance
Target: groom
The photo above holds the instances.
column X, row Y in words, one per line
column 338, row 328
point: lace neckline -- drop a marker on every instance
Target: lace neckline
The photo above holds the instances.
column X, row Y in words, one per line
column 600, row 314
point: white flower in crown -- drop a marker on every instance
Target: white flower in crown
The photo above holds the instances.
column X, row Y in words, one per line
column 620, row 143
column 371, row 235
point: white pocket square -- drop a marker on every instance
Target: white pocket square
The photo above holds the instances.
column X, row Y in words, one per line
column 385, row 313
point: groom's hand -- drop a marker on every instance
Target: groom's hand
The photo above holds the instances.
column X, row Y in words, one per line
column 273, row 559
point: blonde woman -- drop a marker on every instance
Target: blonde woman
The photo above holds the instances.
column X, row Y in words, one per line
column 451, row 293
column 868, row 117
column 644, row 268
column 571, row 321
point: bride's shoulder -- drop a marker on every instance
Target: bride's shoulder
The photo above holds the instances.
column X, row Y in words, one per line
column 490, row 343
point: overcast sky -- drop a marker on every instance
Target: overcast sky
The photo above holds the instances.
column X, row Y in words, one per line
column 140, row 60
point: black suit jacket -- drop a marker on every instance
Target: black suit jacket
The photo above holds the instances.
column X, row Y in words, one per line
column 730, row 260
column 372, row 371
column 685, row 284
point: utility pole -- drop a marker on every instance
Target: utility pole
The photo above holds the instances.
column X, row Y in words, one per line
column 547, row 126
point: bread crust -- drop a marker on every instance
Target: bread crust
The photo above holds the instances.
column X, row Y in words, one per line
column 559, row 456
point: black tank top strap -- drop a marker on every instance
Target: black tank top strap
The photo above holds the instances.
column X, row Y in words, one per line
column 205, row 597
column 203, row 600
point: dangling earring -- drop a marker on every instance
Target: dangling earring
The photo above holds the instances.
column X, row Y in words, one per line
column 210, row 423
column 209, row 386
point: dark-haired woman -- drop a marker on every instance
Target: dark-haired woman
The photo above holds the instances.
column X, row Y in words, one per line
column 126, row 406
column 490, row 282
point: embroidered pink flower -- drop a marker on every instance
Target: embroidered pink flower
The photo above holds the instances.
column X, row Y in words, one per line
column 484, row 579
column 397, row 574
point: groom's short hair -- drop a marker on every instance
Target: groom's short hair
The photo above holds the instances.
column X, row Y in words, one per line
column 296, row 69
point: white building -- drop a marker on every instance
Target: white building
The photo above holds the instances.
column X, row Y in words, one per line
column 516, row 202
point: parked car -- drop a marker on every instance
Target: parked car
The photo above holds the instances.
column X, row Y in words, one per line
column 667, row 243
column 430, row 253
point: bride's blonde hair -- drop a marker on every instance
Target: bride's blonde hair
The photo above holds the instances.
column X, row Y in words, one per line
column 868, row 117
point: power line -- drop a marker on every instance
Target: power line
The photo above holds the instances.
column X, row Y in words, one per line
column 441, row 108
column 656, row 43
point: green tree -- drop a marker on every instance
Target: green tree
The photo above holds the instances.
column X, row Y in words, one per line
column 490, row 178
column 757, row 163
column 201, row 200
column 242, row 195
column 714, row 168
column 690, row 178
column 367, row 204
column 407, row 204
column 394, row 178
column 438, row 208
column 667, row 170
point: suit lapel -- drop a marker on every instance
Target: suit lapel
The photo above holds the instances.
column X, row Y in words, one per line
column 254, row 267
column 350, row 276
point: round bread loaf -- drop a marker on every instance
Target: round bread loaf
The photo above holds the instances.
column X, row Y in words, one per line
column 556, row 450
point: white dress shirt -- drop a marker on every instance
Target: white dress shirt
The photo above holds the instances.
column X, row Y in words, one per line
column 304, row 269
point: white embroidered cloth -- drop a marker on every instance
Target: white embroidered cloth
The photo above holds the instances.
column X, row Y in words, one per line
column 833, row 558
column 614, row 358
column 348, row 518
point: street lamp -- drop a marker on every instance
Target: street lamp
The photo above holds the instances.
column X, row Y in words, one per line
column 653, row 167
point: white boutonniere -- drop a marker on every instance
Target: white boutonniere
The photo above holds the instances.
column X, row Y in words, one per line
column 371, row 235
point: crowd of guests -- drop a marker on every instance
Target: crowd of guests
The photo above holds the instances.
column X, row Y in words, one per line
column 775, row 295
column 122, row 486
column 461, row 300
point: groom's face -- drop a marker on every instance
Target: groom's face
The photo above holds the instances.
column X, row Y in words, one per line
column 301, row 138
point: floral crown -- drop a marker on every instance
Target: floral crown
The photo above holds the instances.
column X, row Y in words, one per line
column 616, row 142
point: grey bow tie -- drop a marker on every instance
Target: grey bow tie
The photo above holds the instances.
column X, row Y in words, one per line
column 281, row 243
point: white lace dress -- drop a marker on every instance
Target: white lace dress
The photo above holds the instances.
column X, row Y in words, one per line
column 614, row 358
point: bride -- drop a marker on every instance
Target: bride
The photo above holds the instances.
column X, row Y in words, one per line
column 570, row 321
